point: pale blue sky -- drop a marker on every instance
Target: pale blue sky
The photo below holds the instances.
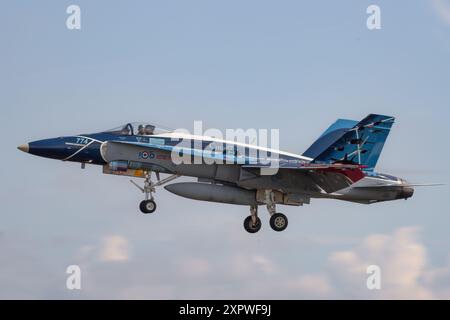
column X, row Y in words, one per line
column 291, row 65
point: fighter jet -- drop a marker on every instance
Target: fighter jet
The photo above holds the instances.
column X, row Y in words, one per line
column 340, row 165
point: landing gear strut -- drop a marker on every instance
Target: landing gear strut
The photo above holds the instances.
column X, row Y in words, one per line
column 278, row 221
column 149, row 205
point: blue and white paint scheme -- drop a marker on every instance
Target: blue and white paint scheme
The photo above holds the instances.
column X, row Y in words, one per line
column 340, row 164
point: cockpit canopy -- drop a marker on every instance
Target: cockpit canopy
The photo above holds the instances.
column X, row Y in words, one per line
column 138, row 129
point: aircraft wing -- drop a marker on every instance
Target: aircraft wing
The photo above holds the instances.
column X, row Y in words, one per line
column 327, row 177
column 248, row 162
column 296, row 165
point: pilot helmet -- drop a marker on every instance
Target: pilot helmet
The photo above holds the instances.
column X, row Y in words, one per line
column 149, row 129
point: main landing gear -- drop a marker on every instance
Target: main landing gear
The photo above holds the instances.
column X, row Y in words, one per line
column 148, row 205
column 278, row 221
column 252, row 223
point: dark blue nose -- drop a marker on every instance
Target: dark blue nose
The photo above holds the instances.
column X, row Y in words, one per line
column 54, row 148
column 70, row 148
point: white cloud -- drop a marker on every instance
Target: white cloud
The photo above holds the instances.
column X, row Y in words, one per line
column 264, row 264
column 249, row 272
column 114, row 249
column 442, row 9
column 401, row 257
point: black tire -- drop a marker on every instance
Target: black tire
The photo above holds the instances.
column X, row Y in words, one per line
column 250, row 227
column 147, row 206
column 278, row 222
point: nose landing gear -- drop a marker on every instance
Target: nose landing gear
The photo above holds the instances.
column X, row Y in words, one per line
column 149, row 205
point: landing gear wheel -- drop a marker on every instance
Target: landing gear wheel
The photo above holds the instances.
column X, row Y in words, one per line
column 147, row 206
column 251, row 227
column 278, row 222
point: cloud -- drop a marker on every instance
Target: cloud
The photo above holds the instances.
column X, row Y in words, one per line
column 240, row 273
column 264, row 264
column 442, row 10
column 242, row 265
column 114, row 249
column 236, row 272
column 401, row 257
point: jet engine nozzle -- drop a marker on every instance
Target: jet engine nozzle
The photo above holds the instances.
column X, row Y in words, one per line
column 406, row 192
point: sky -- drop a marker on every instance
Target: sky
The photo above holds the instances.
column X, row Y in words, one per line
column 295, row 66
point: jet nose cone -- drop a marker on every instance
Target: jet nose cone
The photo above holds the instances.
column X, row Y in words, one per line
column 24, row 147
